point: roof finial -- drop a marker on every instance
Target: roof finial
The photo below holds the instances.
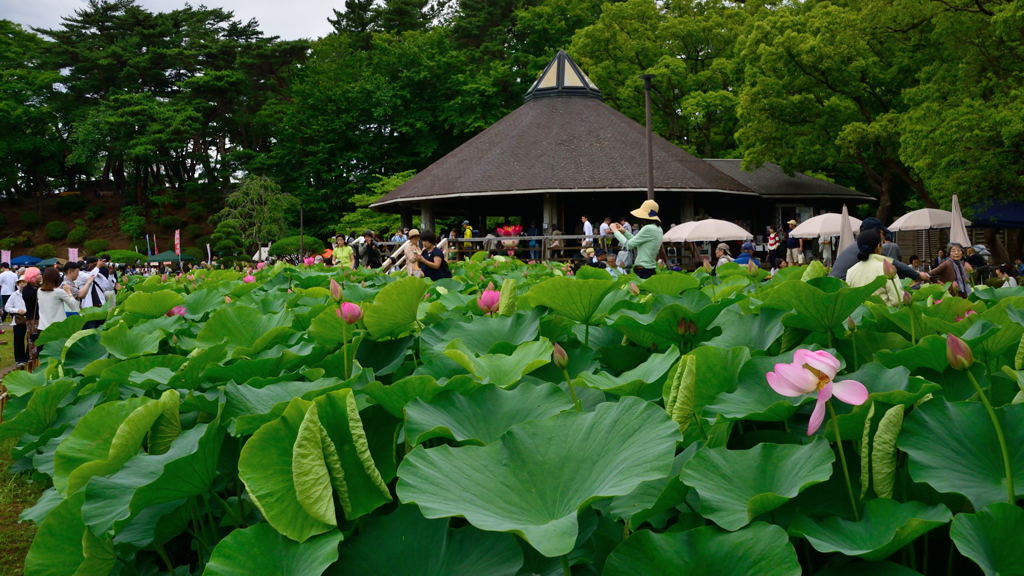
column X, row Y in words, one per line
column 562, row 77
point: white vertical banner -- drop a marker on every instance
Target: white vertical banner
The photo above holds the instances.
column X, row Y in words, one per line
column 5, row 256
column 72, row 254
column 177, row 242
column 209, row 256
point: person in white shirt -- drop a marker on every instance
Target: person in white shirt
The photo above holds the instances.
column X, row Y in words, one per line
column 605, row 230
column 53, row 300
column 8, row 285
column 588, row 231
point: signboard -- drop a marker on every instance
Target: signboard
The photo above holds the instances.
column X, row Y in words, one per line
column 72, row 254
column 5, row 256
column 177, row 242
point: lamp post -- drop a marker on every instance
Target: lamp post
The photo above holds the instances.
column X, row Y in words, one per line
column 650, row 136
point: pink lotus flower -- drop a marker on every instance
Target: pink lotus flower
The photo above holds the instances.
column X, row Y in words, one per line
column 958, row 353
column 964, row 316
column 813, row 371
column 261, row 265
column 335, row 290
column 489, row 300
column 249, row 279
column 176, row 311
column 889, row 269
column 350, row 312
column 309, row 261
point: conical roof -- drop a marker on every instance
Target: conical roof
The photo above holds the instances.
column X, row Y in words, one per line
column 571, row 143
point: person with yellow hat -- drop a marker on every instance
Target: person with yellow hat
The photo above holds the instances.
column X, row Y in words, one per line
column 647, row 240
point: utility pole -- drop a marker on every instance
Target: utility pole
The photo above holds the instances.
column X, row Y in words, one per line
column 650, row 136
column 302, row 234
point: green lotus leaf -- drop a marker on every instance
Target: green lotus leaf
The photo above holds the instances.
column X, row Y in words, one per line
column 820, row 305
column 890, row 385
column 21, row 382
column 885, row 527
column 61, row 330
column 361, row 488
column 534, row 480
column 502, row 369
column 483, row 415
column 241, row 326
column 80, row 350
column 152, row 304
column 168, row 424
column 144, row 372
column 328, row 329
column 757, row 549
column 246, row 408
column 873, row 568
column 405, row 543
column 260, row 550
column 395, row 397
column 737, row 486
column 726, row 287
column 394, row 309
column 40, row 412
column 669, row 283
column 310, row 476
column 123, row 342
column 883, row 453
column 930, row 352
column 741, row 327
column 92, row 440
column 716, row 372
column 186, row 469
column 631, row 381
column 652, row 497
column 953, row 447
column 63, row 545
column 991, row 538
column 190, row 374
column 202, row 302
column 480, row 334
column 265, row 467
column 575, row 299
column 660, row 326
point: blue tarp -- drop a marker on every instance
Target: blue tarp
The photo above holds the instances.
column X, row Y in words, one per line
column 998, row 215
column 25, row 260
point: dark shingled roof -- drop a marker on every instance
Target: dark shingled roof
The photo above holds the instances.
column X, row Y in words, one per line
column 771, row 181
column 563, row 139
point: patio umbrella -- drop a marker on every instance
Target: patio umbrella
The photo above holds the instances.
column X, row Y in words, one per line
column 845, row 232
column 25, row 260
column 925, row 219
column 824, row 225
column 957, row 230
column 709, row 230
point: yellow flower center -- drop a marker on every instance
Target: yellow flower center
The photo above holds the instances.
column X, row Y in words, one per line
column 823, row 378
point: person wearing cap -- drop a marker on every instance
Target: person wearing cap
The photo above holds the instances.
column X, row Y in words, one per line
column 410, row 250
column 848, row 257
column 723, row 254
column 646, row 242
column 794, row 246
column 747, row 255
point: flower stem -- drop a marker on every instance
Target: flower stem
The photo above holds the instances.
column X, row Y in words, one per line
column 1010, row 492
column 566, row 570
column 572, row 391
column 842, row 460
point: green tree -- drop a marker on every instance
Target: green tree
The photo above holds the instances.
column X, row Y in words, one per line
column 259, row 210
column 363, row 217
column 226, row 240
column 133, row 223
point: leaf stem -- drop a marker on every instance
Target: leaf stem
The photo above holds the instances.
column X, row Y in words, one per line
column 566, row 570
column 1010, row 492
column 842, row 460
column 344, row 352
column 572, row 390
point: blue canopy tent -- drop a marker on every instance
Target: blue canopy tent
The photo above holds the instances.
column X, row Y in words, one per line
column 25, row 260
column 48, row 262
column 998, row 215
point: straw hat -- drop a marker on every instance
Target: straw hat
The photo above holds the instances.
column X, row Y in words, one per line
column 793, row 222
column 414, row 233
column 648, row 211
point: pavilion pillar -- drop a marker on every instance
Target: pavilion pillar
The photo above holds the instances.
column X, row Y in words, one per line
column 686, row 210
column 550, row 213
column 406, row 218
column 427, row 216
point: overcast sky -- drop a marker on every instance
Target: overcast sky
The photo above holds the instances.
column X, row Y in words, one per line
column 289, row 19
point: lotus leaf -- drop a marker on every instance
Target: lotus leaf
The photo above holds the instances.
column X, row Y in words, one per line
column 260, row 550
column 991, row 538
column 539, row 474
column 885, row 527
column 123, row 342
column 821, row 305
column 152, row 304
column 483, row 415
column 575, row 299
column 953, row 447
column 502, row 369
column 63, row 545
column 758, row 549
column 737, row 486
column 651, row 370
column 395, row 307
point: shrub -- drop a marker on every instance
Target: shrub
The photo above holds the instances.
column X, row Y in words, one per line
column 290, row 245
column 44, row 251
column 26, row 238
column 77, row 235
column 94, row 211
column 56, row 230
column 194, row 251
column 170, row 222
column 123, row 256
column 132, row 222
column 196, row 211
column 71, row 204
column 195, row 230
column 95, row 246
column 31, row 219
column 9, row 243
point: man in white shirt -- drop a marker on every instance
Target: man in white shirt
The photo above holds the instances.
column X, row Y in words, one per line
column 8, row 284
column 588, row 231
column 605, row 231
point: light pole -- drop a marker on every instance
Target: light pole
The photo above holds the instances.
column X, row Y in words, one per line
column 650, row 136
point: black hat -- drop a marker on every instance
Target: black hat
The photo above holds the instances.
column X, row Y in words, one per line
column 872, row 223
column 368, row 233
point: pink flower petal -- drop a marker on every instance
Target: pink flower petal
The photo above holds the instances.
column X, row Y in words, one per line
column 850, row 391
column 819, row 360
column 818, row 416
column 792, row 380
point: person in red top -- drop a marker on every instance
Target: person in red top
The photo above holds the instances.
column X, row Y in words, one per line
column 773, row 246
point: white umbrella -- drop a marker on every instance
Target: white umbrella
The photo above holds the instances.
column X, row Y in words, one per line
column 925, row 219
column 845, row 232
column 709, row 230
column 957, row 230
column 824, row 225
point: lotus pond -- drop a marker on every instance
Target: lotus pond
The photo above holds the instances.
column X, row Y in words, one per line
column 568, row 425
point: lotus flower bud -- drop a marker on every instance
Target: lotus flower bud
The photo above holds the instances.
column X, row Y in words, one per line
column 907, row 298
column 176, row 311
column 249, row 279
column 888, row 268
column 335, row 290
column 559, row 357
column 851, row 324
column 634, row 289
column 227, row 299
column 683, row 327
column 350, row 312
column 958, row 353
column 489, row 300
column 261, row 265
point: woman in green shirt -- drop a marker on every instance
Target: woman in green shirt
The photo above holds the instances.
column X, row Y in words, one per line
column 646, row 242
